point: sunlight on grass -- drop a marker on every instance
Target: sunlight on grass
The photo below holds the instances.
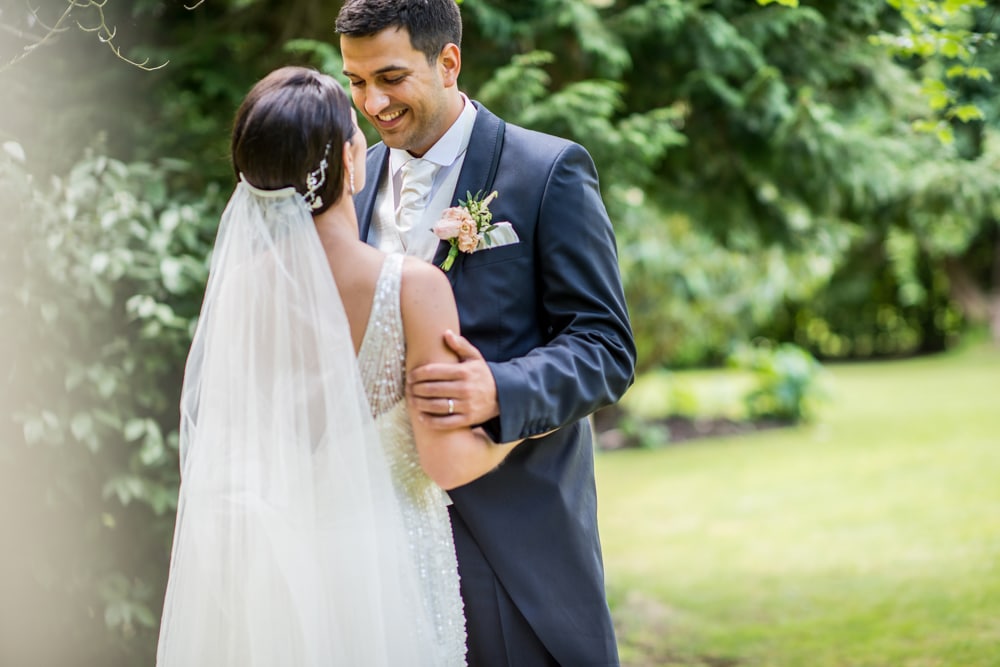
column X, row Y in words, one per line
column 871, row 538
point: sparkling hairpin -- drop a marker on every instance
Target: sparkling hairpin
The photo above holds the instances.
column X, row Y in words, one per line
column 315, row 180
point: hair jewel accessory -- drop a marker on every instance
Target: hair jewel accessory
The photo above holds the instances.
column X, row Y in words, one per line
column 315, row 180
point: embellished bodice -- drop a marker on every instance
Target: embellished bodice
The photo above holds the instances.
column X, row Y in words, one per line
column 382, row 361
column 382, row 357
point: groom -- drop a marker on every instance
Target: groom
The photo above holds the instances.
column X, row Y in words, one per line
column 547, row 337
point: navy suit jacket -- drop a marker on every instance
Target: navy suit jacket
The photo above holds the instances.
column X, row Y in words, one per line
column 549, row 315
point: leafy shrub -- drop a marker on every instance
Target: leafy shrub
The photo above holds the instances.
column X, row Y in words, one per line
column 103, row 275
column 788, row 381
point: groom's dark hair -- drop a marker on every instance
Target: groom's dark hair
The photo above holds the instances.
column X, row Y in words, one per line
column 290, row 122
column 431, row 23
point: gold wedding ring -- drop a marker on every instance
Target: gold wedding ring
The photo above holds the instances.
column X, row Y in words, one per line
column 451, row 406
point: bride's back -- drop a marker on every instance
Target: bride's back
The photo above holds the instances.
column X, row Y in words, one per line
column 355, row 267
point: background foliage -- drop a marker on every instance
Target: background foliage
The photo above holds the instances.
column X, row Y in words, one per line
column 761, row 162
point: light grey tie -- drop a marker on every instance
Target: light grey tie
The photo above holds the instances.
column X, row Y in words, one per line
column 414, row 192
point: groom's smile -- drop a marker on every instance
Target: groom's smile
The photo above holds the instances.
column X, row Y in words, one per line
column 389, row 117
column 410, row 101
column 388, row 121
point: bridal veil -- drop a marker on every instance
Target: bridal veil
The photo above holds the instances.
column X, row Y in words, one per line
column 289, row 547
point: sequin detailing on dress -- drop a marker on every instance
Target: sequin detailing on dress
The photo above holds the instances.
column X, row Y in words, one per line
column 382, row 359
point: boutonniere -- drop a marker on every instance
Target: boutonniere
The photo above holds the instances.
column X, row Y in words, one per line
column 469, row 227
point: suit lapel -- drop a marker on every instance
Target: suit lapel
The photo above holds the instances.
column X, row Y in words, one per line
column 479, row 168
column 376, row 172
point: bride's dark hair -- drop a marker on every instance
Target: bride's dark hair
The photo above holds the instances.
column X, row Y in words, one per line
column 289, row 122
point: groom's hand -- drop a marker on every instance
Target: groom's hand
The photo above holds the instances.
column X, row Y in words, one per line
column 468, row 384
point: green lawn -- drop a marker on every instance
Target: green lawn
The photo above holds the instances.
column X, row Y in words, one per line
column 870, row 539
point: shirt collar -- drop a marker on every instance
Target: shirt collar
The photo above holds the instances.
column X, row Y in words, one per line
column 448, row 148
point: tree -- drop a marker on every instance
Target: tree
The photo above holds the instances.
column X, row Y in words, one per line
column 790, row 119
column 782, row 121
column 946, row 37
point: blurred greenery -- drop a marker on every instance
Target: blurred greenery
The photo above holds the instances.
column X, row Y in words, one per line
column 763, row 163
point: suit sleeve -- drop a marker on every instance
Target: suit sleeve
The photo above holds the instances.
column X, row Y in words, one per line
column 589, row 359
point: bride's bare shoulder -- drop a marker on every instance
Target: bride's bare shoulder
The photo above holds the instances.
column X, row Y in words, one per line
column 422, row 280
column 428, row 309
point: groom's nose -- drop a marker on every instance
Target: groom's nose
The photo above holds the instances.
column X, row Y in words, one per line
column 375, row 100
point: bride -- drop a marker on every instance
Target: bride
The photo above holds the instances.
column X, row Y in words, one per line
column 312, row 527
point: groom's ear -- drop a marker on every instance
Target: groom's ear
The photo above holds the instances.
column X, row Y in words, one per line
column 449, row 64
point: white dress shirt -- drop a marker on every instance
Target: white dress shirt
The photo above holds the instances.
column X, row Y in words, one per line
column 449, row 154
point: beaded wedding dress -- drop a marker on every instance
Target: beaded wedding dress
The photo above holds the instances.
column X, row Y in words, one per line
column 306, row 533
column 382, row 359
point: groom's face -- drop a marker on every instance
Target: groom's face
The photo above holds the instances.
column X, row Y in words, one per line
column 409, row 101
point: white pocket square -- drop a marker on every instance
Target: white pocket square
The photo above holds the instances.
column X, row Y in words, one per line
column 502, row 234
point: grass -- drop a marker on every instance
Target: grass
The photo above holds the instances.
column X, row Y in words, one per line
column 870, row 539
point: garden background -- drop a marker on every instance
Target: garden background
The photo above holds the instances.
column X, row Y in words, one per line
column 806, row 201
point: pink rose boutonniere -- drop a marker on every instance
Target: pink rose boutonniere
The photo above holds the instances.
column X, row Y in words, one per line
column 469, row 227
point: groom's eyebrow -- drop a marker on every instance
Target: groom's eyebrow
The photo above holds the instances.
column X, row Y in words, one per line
column 381, row 70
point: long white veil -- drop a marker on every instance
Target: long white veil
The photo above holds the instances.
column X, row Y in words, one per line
column 289, row 547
